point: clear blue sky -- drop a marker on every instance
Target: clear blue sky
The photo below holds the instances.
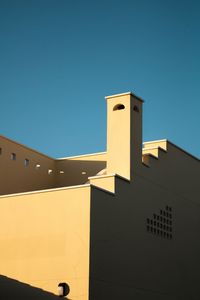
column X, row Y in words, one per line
column 60, row 58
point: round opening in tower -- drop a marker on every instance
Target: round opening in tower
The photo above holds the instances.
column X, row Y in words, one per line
column 118, row 107
column 63, row 289
column 135, row 108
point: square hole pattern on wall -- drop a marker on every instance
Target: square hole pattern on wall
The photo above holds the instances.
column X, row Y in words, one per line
column 160, row 224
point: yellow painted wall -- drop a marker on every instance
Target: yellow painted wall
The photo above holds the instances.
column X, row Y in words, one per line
column 118, row 136
column 101, row 156
column 124, row 155
column 14, row 289
column 76, row 233
column 15, row 177
column 124, row 134
column 106, row 182
column 76, row 170
column 44, row 239
column 161, row 143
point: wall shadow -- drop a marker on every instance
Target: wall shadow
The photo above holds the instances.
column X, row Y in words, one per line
column 76, row 172
column 11, row 289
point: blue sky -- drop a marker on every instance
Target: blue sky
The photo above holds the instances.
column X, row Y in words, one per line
column 60, row 58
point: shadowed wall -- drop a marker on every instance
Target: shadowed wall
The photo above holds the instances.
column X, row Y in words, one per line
column 127, row 259
column 11, row 289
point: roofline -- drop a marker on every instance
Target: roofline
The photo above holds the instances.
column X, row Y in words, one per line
column 156, row 141
column 24, row 146
column 82, row 155
column 102, row 176
column 124, row 94
column 46, row 190
column 183, row 150
column 167, row 141
column 109, row 175
column 68, row 187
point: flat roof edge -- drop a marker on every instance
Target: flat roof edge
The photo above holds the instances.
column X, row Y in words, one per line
column 102, row 176
column 46, row 191
column 156, row 141
column 178, row 147
column 109, row 175
column 82, row 155
column 124, row 94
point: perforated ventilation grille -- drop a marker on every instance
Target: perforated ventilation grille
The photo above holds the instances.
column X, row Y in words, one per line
column 161, row 224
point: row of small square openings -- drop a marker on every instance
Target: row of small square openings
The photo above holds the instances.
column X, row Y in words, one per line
column 165, row 214
column 161, row 224
column 162, row 219
column 50, row 171
column 13, row 157
column 159, row 232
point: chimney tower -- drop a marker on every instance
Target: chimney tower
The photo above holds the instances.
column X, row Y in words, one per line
column 124, row 134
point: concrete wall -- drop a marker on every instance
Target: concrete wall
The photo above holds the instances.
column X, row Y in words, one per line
column 103, row 231
column 124, row 134
column 127, row 261
column 42, row 172
column 76, row 170
column 124, row 153
column 177, row 170
column 106, row 182
column 15, row 177
column 44, row 239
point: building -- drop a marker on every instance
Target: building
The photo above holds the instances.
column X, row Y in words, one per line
column 122, row 224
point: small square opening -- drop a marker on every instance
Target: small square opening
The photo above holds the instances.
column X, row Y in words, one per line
column 13, row 156
column 26, row 162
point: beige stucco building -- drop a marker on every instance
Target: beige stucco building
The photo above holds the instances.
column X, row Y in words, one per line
column 122, row 224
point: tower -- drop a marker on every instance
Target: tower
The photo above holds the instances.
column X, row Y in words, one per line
column 124, row 134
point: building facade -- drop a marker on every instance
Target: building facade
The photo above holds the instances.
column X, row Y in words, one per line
column 121, row 224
